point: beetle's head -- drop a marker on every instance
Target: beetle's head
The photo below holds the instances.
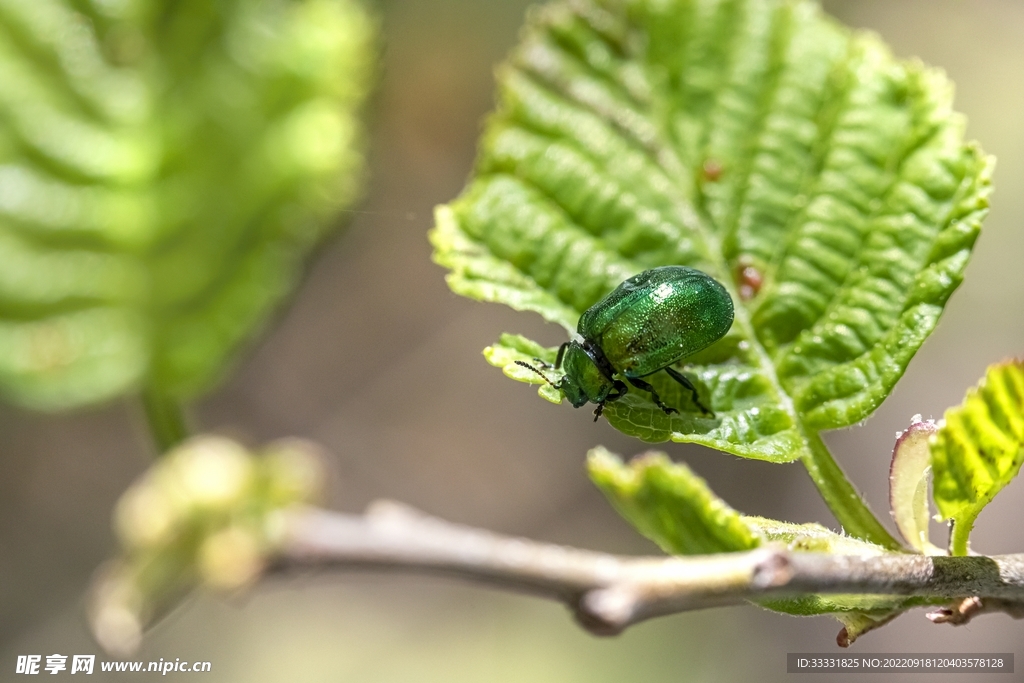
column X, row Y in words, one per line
column 583, row 380
column 573, row 391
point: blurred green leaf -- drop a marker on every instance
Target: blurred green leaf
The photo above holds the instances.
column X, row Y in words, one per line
column 205, row 514
column 824, row 182
column 979, row 448
column 165, row 169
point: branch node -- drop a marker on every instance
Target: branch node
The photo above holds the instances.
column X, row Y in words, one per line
column 958, row 613
column 384, row 511
column 963, row 611
column 607, row 611
column 774, row 569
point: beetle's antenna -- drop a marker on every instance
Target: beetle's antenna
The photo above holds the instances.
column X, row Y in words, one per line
column 527, row 365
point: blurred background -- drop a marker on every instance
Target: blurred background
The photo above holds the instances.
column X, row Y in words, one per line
column 380, row 363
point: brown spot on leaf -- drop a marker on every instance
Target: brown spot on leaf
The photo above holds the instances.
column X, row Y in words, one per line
column 712, row 170
column 749, row 277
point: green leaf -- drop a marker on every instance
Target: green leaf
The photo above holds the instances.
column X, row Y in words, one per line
column 512, row 348
column 839, row 176
column 676, row 509
column 857, row 611
column 673, row 507
column 979, row 449
column 857, row 624
column 165, row 168
column 811, row 538
column 669, row 504
column 824, row 182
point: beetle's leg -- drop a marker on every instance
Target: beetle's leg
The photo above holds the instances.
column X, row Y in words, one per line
column 620, row 390
column 640, row 384
column 561, row 353
column 681, row 378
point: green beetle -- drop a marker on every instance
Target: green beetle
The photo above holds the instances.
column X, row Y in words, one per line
column 646, row 324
